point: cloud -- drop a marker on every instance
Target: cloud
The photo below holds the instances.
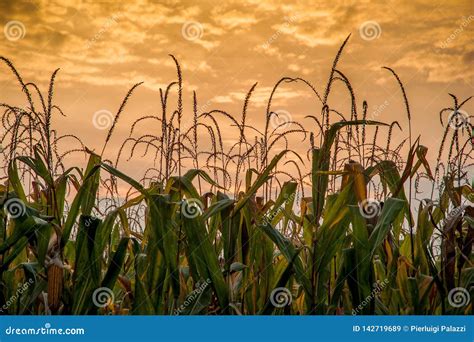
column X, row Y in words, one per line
column 234, row 19
column 114, row 45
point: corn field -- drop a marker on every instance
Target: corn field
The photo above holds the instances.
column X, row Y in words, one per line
column 257, row 228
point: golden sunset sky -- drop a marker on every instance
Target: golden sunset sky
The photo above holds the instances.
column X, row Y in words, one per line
column 224, row 47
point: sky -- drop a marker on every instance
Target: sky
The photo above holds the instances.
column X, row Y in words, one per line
column 104, row 47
